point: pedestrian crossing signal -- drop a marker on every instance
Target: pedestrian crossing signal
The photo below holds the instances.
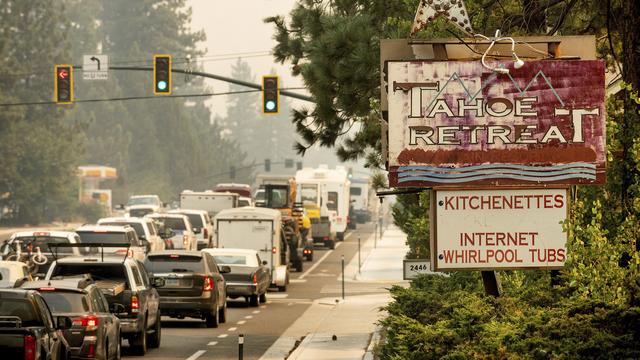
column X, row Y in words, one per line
column 63, row 84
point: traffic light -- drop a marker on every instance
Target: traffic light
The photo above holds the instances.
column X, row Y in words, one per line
column 267, row 164
column 63, row 85
column 270, row 95
column 162, row 74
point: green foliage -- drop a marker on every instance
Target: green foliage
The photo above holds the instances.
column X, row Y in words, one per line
column 410, row 213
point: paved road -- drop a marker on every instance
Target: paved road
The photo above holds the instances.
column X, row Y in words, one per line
column 261, row 326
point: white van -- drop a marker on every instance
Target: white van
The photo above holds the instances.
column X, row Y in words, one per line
column 329, row 189
column 210, row 201
column 259, row 229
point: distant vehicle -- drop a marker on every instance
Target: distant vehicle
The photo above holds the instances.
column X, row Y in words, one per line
column 360, row 196
column 202, row 226
column 210, row 201
column 141, row 205
column 13, row 274
column 259, row 199
column 249, row 276
column 179, row 229
column 245, row 201
column 109, row 234
column 41, row 239
column 243, row 190
column 125, row 284
column 328, row 189
column 145, row 228
column 27, row 328
column 95, row 332
column 259, row 229
column 193, row 285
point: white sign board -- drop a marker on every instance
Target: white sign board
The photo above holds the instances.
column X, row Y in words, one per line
column 499, row 229
column 413, row 267
column 95, row 67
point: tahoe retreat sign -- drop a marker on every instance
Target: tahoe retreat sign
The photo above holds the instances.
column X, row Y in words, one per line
column 457, row 123
column 498, row 229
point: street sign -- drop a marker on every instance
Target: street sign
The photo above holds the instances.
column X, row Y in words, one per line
column 498, row 229
column 458, row 123
column 413, row 267
column 95, row 67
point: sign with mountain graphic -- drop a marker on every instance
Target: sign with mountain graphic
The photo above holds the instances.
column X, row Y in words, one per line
column 457, row 123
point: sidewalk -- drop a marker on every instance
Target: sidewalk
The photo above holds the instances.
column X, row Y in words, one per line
column 353, row 320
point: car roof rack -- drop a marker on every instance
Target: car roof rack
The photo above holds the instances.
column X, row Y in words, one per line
column 56, row 246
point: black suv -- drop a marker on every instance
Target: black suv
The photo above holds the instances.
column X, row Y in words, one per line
column 193, row 285
column 95, row 332
column 135, row 301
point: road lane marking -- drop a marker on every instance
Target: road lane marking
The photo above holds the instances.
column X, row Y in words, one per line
column 197, row 354
column 256, row 311
column 241, row 322
column 294, row 281
column 248, row 317
column 314, row 266
column 278, row 296
column 233, row 328
column 222, row 336
column 213, row 343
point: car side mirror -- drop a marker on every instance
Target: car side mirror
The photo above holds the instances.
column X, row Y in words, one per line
column 264, row 262
column 63, row 323
column 157, row 282
column 224, row 269
column 146, row 244
column 196, row 230
column 118, row 308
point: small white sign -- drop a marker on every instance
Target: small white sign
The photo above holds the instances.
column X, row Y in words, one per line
column 500, row 229
column 95, row 67
column 413, row 267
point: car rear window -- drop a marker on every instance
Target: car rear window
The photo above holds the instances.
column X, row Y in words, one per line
column 195, row 219
column 43, row 241
column 233, row 260
column 21, row 308
column 173, row 223
column 65, row 302
column 135, row 225
column 90, row 237
column 174, row 263
column 98, row 272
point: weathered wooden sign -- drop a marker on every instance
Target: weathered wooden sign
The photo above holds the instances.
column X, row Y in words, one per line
column 498, row 229
column 458, row 123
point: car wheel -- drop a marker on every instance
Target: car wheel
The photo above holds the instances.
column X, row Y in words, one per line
column 211, row 319
column 282, row 288
column 253, row 300
column 139, row 341
column 263, row 297
column 223, row 313
column 340, row 236
column 310, row 257
column 330, row 244
column 156, row 336
column 299, row 266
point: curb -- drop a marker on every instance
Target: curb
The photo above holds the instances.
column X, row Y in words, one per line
column 375, row 339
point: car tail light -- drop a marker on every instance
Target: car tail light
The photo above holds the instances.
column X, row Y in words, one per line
column 273, row 250
column 89, row 322
column 208, row 284
column 129, row 252
column 205, row 233
column 91, row 352
column 255, row 279
column 29, row 347
column 47, row 289
column 325, row 238
column 135, row 304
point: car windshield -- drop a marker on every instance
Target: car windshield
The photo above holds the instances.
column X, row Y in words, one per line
column 174, row 263
column 195, row 220
column 135, row 225
column 147, row 200
column 243, row 202
column 90, row 237
column 173, row 223
column 21, row 308
column 259, row 195
column 42, row 242
column 96, row 271
column 308, row 194
column 235, row 259
column 65, row 302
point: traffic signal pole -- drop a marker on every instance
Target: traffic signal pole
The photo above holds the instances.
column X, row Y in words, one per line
column 212, row 76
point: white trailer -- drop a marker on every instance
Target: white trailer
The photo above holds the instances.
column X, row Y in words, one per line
column 212, row 202
column 360, row 200
column 329, row 188
column 258, row 229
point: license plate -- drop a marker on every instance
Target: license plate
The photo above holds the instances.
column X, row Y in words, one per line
column 172, row 282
